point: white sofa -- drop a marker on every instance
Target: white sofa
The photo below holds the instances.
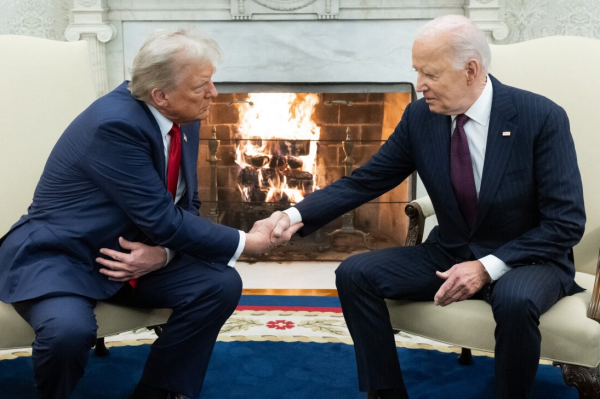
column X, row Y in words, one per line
column 564, row 69
column 45, row 84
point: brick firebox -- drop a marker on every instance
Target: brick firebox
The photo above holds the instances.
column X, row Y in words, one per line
column 371, row 118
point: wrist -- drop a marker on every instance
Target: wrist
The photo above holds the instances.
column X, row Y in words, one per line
column 168, row 257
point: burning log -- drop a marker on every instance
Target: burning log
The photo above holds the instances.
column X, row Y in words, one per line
column 258, row 161
column 258, row 196
column 277, row 162
column 249, row 177
column 269, row 175
column 299, row 180
column 294, row 162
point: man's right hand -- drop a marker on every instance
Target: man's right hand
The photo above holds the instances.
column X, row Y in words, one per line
column 280, row 233
column 262, row 238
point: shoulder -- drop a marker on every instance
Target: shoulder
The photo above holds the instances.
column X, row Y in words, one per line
column 525, row 102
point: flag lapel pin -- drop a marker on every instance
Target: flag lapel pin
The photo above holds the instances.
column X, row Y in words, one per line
column 505, row 134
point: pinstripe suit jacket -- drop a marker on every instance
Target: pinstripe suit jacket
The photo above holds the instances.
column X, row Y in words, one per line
column 530, row 208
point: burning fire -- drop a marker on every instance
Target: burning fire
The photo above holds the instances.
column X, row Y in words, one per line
column 278, row 147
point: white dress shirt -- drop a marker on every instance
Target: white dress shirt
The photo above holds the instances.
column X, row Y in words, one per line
column 476, row 130
column 165, row 126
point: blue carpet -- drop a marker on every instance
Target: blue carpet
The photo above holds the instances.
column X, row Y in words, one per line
column 277, row 370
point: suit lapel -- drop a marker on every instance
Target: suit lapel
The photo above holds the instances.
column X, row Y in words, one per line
column 187, row 164
column 498, row 147
column 159, row 157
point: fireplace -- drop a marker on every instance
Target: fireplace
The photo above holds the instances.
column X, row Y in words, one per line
column 337, row 43
column 265, row 146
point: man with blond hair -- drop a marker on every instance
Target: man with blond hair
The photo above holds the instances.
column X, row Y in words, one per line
column 115, row 216
column 499, row 165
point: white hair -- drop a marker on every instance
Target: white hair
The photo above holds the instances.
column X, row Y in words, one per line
column 159, row 60
column 467, row 41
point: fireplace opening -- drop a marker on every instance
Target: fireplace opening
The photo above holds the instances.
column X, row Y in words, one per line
column 265, row 147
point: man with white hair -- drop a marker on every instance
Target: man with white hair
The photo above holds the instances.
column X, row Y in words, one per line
column 499, row 165
column 115, row 216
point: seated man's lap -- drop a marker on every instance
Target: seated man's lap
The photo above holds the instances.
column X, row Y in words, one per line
column 398, row 272
column 533, row 287
column 183, row 280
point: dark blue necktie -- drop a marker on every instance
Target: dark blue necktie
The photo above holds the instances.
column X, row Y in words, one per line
column 461, row 171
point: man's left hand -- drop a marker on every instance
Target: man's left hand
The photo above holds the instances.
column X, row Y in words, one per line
column 140, row 260
column 463, row 280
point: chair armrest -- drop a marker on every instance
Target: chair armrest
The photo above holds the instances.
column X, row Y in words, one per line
column 594, row 308
column 417, row 211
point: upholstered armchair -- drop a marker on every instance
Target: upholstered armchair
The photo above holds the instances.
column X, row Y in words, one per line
column 564, row 69
column 45, row 84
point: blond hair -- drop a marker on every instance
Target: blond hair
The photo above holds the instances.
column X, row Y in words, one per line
column 157, row 63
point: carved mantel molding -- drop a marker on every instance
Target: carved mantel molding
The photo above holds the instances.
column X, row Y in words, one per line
column 323, row 9
column 489, row 16
column 90, row 23
column 334, row 20
column 103, row 32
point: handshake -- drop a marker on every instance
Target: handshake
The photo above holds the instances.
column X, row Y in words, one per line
column 268, row 234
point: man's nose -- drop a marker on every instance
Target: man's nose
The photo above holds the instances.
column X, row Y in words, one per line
column 212, row 90
column 420, row 85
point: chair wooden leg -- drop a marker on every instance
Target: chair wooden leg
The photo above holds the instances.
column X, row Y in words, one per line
column 157, row 329
column 465, row 358
column 100, row 349
column 585, row 379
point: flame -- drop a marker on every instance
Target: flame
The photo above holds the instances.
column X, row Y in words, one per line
column 276, row 130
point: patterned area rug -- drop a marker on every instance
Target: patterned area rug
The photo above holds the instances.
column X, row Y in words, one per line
column 292, row 347
column 279, row 319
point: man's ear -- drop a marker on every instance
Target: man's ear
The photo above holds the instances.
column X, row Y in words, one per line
column 159, row 98
column 472, row 70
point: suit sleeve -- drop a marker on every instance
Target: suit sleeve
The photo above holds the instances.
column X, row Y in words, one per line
column 559, row 195
column 119, row 162
column 389, row 167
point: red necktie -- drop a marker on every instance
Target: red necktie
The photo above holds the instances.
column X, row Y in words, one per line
column 461, row 171
column 172, row 168
column 174, row 160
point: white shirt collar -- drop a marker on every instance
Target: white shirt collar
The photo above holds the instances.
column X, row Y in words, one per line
column 164, row 124
column 482, row 108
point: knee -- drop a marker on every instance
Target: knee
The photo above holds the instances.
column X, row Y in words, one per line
column 515, row 309
column 351, row 272
column 226, row 288
column 66, row 338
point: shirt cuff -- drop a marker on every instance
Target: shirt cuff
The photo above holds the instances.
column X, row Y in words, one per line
column 495, row 267
column 294, row 215
column 239, row 250
column 170, row 255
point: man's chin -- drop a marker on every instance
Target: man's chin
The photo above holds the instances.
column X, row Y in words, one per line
column 203, row 115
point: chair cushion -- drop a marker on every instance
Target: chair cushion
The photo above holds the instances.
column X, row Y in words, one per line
column 112, row 319
column 568, row 336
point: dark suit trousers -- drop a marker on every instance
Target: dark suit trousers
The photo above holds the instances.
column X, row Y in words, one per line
column 518, row 299
column 202, row 296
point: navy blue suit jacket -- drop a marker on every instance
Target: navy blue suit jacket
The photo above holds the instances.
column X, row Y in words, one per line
column 530, row 207
column 105, row 178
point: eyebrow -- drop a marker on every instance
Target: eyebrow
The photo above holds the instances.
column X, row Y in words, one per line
column 196, row 86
